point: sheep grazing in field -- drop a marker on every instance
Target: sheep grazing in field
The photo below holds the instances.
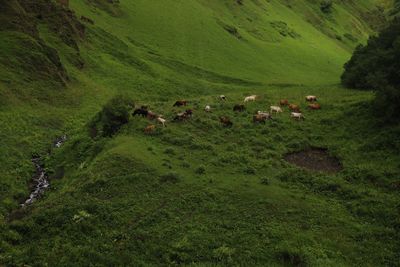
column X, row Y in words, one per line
column 276, row 109
column 161, row 120
column 294, row 108
column 311, row 98
column 222, row 97
column 297, row 115
column 207, row 108
column 180, row 103
column 314, row 106
column 250, row 98
column 225, row 121
column 284, row 102
column 150, row 129
column 239, row 108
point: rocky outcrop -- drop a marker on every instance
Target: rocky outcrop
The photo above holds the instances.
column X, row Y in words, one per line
column 33, row 55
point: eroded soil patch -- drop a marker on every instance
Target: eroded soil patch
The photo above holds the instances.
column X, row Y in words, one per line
column 315, row 159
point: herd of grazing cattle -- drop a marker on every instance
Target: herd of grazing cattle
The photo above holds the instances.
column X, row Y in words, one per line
column 258, row 117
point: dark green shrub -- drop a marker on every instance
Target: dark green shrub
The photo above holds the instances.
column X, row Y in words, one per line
column 110, row 119
column 377, row 66
column 250, row 170
column 201, row 170
column 169, row 151
column 171, row 177
column 326, row 6
column 265, row 181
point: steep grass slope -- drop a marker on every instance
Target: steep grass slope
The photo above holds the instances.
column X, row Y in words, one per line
column 191, row 194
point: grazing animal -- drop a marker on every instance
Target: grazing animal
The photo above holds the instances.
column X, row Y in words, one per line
column 141, row 112
column 284, row 102
column 151, row 115
column 314, row 106
column 275, row 109
column 149, row 129
column 297, row 115
column 207, row 108
column 294, row 108
column 311, row 98
column 264, row 113
column 222, row 97
column 261, row 118
column 180, row 103
column 189, row 112
column 250, row 98
column 225, row 121
column 161, row 120
column 184, row 115
column 239, row 108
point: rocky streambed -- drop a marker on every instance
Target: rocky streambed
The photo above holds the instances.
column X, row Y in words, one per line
column 40, row 179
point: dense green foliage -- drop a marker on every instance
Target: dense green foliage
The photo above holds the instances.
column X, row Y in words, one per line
column 112, row 117
column 193, row 193
column 377, row 66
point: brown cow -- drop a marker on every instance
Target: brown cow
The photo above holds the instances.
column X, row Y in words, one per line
column 225, row 121
column 180, row 103
column 151, row 115
column 314, row 106
column 284, row 102
column 294, row 108
column 239, row 108
column 184, row 115
column 150, row 129
column 261, row 118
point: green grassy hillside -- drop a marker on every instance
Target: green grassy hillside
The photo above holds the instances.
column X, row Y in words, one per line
column 193, row 193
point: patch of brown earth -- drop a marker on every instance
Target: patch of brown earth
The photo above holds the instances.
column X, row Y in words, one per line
column 315, row 159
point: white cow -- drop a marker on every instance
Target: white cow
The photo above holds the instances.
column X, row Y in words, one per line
column 263, row 113
column 296, row 115
column 222, row 97
column 161, row 120
column 276, row 109
column 207, row 108
column 250, row 98
column 311, row 98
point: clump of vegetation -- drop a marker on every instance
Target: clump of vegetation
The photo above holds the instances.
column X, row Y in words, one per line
column 169, row 151
column 376, row 66
column 171, row 177
column 284, row 29
column 112, row 117
column 265, row 181
column 326, row 6
column 224, row 253
column 201, row 170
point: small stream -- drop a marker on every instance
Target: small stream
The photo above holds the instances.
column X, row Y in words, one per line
column 41, row 179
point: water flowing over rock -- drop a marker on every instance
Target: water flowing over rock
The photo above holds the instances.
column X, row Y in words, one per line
column 41, row 178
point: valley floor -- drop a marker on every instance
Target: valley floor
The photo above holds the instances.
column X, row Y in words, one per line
column 196, row 193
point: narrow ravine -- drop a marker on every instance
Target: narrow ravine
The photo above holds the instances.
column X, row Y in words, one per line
column 41, row 178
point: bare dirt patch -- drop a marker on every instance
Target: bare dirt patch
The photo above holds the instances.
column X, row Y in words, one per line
column 315, row 159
